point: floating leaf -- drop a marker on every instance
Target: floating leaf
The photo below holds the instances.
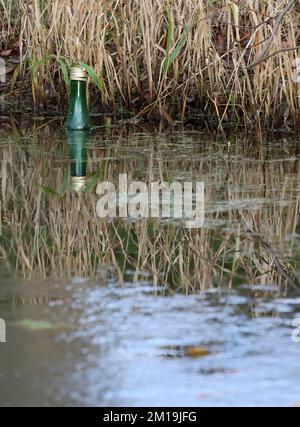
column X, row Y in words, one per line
column 38, row 325
column 185, row 350
column 196, row 351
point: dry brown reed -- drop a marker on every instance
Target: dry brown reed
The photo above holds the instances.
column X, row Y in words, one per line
column 166, row 58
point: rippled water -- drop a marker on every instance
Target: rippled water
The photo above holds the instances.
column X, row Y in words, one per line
column 116, row 323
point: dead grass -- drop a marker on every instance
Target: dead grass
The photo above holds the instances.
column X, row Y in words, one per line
column 166, row 59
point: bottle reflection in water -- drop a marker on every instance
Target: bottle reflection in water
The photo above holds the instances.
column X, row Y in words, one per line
column 77, row 140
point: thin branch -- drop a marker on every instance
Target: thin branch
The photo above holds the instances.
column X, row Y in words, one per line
column 288, row 49
column 262, row 57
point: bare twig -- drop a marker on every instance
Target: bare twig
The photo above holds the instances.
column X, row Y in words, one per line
column 262, row 57
column 288, row 49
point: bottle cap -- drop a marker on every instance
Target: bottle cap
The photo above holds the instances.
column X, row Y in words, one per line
column 78, row 73
column 78, row 183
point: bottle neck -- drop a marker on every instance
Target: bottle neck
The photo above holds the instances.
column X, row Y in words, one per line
column 78, row 89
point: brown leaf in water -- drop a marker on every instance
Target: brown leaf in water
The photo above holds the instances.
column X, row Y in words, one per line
column 196, row 351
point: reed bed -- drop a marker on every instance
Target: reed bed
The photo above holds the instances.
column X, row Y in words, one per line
column 164, row 59
column 46, row 229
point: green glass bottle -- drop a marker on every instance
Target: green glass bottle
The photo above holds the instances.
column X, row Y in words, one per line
column 77, row 140
column 78, row 117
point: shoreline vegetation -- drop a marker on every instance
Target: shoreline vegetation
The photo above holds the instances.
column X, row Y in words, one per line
column 190, row 61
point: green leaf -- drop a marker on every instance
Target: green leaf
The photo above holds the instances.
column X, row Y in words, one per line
column 49, row 190
column 94, row 179
column 64, row 71
column 168, row 44
column 181, row 42
column 95, row 78
column 170, row 57
column 36, row 63
column 65, row 183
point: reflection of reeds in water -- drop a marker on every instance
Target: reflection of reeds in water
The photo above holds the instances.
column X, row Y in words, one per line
column 46, row 229
column 269, row 230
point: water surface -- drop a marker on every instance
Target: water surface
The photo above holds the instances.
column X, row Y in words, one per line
column 103, row 312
